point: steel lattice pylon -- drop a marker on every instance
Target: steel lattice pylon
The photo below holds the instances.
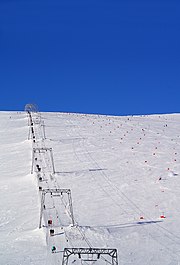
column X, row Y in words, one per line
column 87, row 251
column 41, row 150
column 31, row 108
column 56, row 191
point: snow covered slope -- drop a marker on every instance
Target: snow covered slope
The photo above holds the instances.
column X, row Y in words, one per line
column 21, row 242
column 123, row 173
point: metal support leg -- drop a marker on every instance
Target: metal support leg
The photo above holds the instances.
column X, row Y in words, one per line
column 114, row 258
column 71, row 208
column 43, row 130
column 42, row 207
column 52, row 161
column 65, row 259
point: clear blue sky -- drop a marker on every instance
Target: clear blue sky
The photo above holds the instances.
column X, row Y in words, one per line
column 91, row 56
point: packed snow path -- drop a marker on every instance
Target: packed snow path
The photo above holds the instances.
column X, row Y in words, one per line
column 56, row 213
column 123, row 173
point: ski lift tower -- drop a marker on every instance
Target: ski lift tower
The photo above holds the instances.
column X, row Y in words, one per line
column 31, row 108
column 57, row 192
column 42, row 150
column 83, row 252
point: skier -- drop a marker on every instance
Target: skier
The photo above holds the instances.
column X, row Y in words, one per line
column 53, row 249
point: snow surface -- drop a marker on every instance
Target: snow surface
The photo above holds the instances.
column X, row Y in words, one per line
column 123, row 173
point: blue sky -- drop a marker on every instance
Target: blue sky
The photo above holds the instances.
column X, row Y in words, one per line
column 114, row 57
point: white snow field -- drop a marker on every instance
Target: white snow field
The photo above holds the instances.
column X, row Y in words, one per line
column 124, row 177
